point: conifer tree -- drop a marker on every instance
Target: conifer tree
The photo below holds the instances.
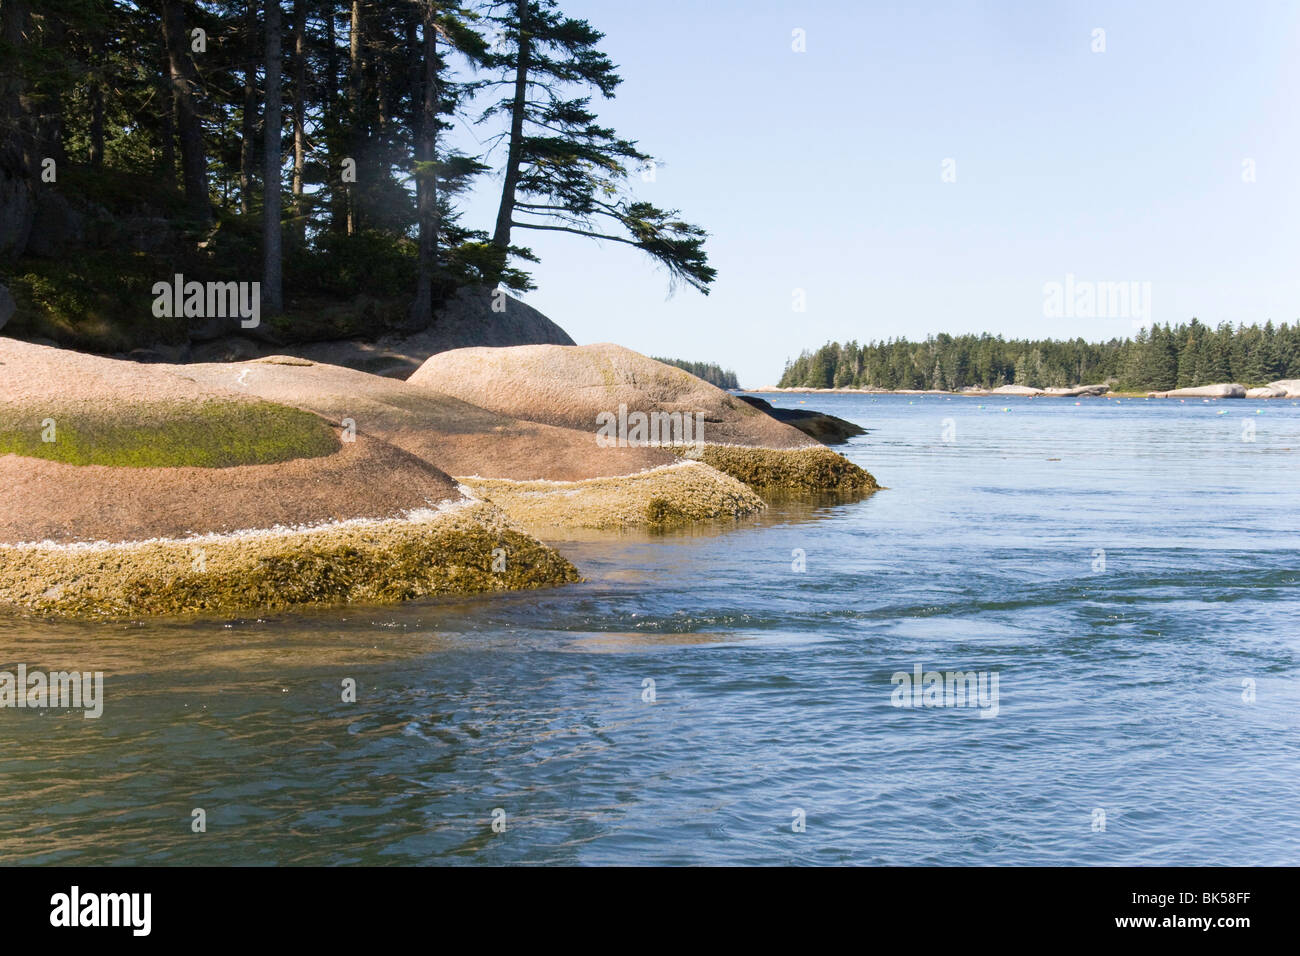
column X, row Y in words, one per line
column 564, row 172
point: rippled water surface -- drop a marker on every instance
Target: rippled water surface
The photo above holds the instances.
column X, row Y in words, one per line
column 1121, row 683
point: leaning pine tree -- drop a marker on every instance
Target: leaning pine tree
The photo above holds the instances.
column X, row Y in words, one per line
column 565, row 172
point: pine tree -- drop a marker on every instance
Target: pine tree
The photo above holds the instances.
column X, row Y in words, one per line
column 1160, row 363
column 564, row 171
column 189, row 126
column 1189, row 356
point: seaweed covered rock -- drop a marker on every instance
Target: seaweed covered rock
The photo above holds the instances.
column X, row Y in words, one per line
column 663, row 497
column 465, row 547
column 800, row 469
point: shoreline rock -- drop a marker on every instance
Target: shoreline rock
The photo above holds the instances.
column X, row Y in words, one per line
column 579, row 387
column 815, row 468
column 532, row 470
column 94, row 523
column 155, row 489
column 1266, row 391
column 1078, row 391
column 663, row 497
column 1017, row 390
column 1224, row 390
column 426, row 553
column 827, row 429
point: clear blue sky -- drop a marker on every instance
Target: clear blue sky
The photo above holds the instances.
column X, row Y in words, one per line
column 822, row 170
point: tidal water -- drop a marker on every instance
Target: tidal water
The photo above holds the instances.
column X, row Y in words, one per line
column 1128, row 570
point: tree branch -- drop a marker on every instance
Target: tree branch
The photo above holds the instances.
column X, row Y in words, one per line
column 576, row 232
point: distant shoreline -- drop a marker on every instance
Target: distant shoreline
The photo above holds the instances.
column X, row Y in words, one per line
column 1080, row 392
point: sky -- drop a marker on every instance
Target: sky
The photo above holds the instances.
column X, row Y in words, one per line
column 926, row 167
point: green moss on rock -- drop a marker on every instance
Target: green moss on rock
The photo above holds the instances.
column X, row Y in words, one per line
column 213, row 434
column 806, row 469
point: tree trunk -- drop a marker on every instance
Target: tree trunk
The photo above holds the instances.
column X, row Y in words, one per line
column 249, row 126
column 184, row 79
column 17, row 186
column 426, row 178
column 330, row 97
column 354, row 110
column 506, row 211
column 47, row 101
column 96, row 123
column 169, row 142
column 299, row 114
column 271, row 257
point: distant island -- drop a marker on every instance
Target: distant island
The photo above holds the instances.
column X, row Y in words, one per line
column 1159, row 360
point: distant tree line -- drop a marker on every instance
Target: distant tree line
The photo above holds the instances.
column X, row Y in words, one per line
column 1158, row 359
column 306, row 143
column 709, row 371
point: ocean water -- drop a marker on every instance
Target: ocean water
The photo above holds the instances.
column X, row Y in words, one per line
column 1128, row 570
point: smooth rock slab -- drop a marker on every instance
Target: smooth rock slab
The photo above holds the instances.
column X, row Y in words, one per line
column 1078, row 391
column 603, row 389
column 1016, row 390
column 1224, row 390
